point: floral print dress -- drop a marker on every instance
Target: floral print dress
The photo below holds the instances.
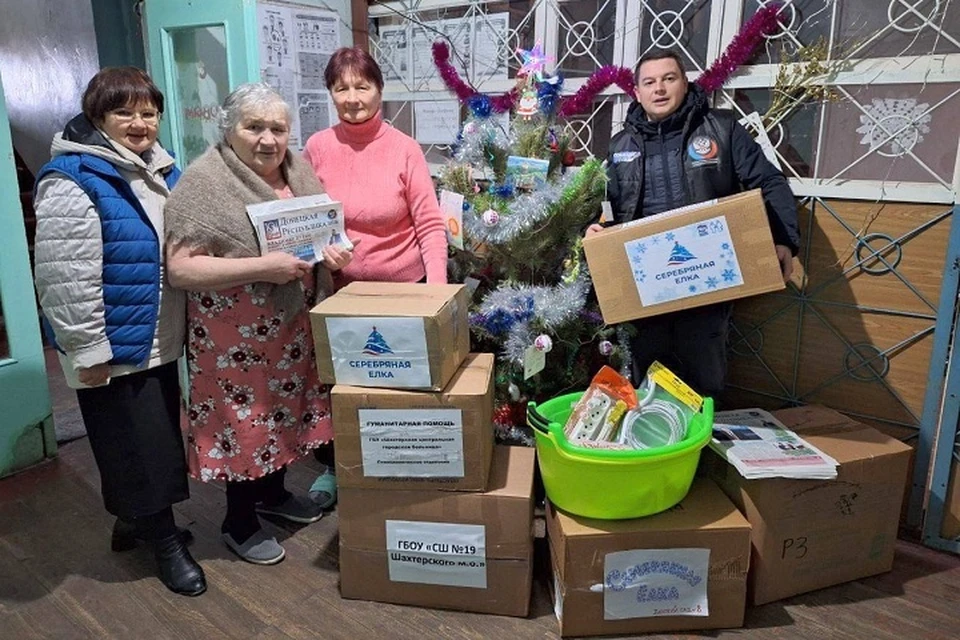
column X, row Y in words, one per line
column 256, row 403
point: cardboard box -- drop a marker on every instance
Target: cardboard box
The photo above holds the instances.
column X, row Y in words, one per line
column 392, row 335
column 705, row 253
column 465, row 551
column 618, row 577
column 809, row 534
column 390, row 439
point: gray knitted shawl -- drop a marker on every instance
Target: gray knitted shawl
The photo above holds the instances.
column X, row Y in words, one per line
column 207, row 211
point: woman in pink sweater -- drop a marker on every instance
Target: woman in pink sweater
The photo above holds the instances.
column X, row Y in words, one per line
column 389, row 204
column 381, row 177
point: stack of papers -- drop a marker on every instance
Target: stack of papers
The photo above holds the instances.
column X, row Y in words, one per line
column 760, row 446
column 299, row 226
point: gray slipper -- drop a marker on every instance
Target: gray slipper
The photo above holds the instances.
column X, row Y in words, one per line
column 258, row 548
column 294, row 508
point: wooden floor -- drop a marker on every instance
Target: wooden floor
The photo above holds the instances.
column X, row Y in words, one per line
column 59, row 579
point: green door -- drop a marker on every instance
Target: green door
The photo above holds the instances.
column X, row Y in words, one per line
column 197, row 51
column 26, row 421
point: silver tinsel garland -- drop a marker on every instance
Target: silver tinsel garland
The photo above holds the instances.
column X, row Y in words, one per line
column 526, row 212
column 552, row 307
column 476, row 134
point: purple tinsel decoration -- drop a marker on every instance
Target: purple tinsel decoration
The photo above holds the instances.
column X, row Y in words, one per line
column 763, row 23
column 441, row 58
column 581, row 101
column 505, row 102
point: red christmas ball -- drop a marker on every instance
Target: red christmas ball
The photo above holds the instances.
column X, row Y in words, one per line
column 569, row 157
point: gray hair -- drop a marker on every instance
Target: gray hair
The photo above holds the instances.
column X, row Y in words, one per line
column 252, row 96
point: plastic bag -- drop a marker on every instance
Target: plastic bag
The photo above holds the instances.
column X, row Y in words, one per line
column 598, row 414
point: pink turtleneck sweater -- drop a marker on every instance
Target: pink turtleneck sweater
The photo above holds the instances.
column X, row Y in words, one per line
column 389, row 203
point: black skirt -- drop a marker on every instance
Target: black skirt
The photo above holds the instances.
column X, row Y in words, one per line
column 133, row 425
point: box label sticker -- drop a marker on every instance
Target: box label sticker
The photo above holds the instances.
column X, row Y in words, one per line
column 437, row 553
column 412, row 443
column 649, row 583
column 684, row 262
column 379, row 352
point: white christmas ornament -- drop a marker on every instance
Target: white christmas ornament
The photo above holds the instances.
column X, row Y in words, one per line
column 606, row 347
column 491, row 218
column 514, row 391
column 543, row 342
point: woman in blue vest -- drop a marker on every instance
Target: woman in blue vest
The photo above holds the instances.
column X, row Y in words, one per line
column 118, row 325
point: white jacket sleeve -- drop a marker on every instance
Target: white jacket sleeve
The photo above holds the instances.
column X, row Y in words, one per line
column 68, row 255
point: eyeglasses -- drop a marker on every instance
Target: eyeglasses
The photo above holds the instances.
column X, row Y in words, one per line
column 126, row 116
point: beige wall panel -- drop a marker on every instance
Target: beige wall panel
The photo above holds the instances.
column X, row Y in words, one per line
column 917, row 260
column 796, row 346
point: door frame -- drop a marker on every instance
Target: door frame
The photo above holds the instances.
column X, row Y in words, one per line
column 26, row 417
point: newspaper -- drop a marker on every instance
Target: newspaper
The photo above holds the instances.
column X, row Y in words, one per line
column 299, row 226
column 760, row 446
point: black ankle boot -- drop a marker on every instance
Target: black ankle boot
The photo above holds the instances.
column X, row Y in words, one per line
column 178, row 570
column 126, row 536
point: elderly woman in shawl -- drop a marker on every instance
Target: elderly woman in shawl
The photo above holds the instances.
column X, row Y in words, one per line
column 256, row 404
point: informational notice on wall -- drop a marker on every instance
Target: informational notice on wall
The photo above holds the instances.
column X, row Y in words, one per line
column 413, row 443
column 437, row 553
column 646, row 583
column 295, row 45
column 437, row 121
column 683, row 262
column 480, row 43
column 381, row 352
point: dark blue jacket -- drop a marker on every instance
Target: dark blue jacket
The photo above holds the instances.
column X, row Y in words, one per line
column 693, row 155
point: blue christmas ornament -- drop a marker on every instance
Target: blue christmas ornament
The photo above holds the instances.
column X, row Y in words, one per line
column 504, row 191
column 480, row 105
column 548, row 92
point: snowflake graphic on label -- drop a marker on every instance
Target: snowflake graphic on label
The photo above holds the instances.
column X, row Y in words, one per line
column 894, row 126
column 684, row 262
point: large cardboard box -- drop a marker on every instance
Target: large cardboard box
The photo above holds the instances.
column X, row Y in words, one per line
column 809, row 534
column 705, row 253
column 465, row 551
column 391, row 439
column 679, row 570
column 392, row 335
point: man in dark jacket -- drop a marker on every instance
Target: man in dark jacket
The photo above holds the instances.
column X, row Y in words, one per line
column 674, row 150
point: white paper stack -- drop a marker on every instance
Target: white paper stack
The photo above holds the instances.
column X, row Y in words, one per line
column 760, row 446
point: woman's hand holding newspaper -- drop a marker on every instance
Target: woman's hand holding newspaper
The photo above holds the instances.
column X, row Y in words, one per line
column 336, row 257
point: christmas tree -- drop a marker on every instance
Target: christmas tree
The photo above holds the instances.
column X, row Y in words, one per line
column 525, row 209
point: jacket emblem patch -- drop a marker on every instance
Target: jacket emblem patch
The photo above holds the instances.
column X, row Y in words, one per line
column 703, row 150
column 625, row 156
